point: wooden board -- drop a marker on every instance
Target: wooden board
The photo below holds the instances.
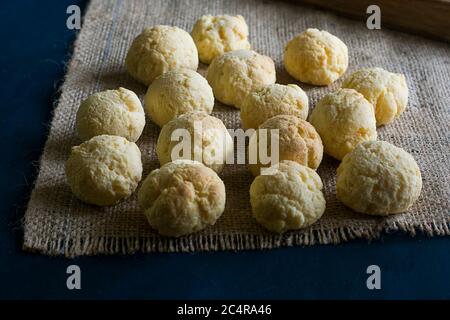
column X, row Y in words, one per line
column 425, row 17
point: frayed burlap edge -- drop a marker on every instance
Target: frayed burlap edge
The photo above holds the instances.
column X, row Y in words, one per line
column 72, row 248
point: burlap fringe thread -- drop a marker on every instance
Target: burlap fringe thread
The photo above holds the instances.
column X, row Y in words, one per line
column 72, row 248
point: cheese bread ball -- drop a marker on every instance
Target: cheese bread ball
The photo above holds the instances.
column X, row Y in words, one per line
column 182, row 197
column 290, row 198
column 343, row 119
column 378, row 178
column 215, row 35
column 176, row 93
column 272, row 100
column 298, row 141
column 208, row 140
column 387, row 92
column 160, row 49
column 316, row 57
column 235, row 74
column 104, row 170
column 112, row 112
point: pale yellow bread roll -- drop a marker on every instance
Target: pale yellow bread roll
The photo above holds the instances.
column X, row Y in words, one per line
column 378, row 178
column 291, row 198
column 104, row 170
column 111, row 112
column 343, row 119
column 208, row 139
column 182, row 197
column 176, row 93
column 159, row 49
column 387, row 92
column 298, row 141
column 272, row 100
column 316, row 57
column 215, row 35
column 235, row 74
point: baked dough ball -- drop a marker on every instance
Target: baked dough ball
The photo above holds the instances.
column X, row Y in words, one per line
column 273, row 100
column 160, row 49
column 208, row 140
column 316, row 57
column 343, row 119
column 290, row 198
column 104, row 170
column 387, row 92
column 235, row 74
column 176, row 93
column 215, row 35
column 298, row 141
column 113, row 112
column 378, row 178
column 182, row 197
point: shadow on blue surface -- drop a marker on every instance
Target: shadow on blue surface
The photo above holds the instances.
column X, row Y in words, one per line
column 36, row 44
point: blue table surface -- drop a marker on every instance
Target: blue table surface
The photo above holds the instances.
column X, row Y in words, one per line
column 35, row 47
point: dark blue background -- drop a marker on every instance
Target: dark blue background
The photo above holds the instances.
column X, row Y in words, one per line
column 35, row 45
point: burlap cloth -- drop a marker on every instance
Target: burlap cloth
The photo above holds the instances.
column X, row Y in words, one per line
column 57, row 223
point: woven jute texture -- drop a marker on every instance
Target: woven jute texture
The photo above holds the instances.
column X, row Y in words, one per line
column 56, row 223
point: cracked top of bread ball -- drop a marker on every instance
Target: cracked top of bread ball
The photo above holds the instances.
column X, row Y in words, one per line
column 298, row 141
column 235, row 74
column 176, row 93
column 111, row 112
column 290, row 198
column 387, row 92
column 316, row 57
column 159, row 49
column 378, row 178
column 104, row 169
column 215, row 35
column 272, row 100
column 343, row 119
column 182, row 197
column 209, row 140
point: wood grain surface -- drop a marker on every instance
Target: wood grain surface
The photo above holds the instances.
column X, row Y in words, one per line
column 425, row 17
